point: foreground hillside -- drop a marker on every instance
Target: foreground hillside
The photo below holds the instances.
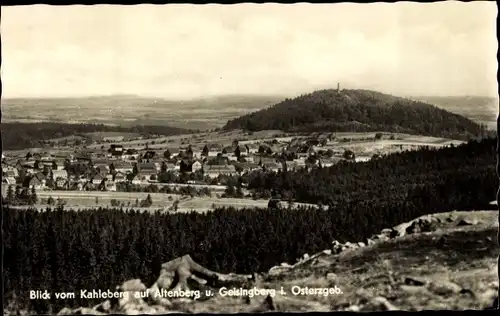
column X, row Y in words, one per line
column 360, row 111
column 440, row 261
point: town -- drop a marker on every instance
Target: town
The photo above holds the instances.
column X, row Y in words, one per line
column 185, row 165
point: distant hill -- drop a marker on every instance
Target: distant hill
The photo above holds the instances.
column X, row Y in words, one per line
column 357, row 111
column 132, row 110
column 478, row 108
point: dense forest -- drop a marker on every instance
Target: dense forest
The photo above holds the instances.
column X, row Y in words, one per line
column 435, row 175
column 90, row 249
column 26, row 135
column 358, row 111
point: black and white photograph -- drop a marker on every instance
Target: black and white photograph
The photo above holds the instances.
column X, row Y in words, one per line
column 248, row 158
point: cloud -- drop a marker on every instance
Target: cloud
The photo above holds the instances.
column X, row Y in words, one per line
column 183, row 51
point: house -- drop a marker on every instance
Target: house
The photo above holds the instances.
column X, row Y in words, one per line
column 97, row 179
column 61, row 183
column 272, row 166
column 137, row 180
column 110, row 186
column 197, row 165
column 213, row 171
column 9, row 180
column 299, row 163
column 25, row 164
column 213, row 149
column 116, row 150
column 123, row 167
column 266, row 160
column 172, row 167
column 228, row 150
column 10, row 172
column 63, row 156
column 147, row 166
column 46, row 157
column 101, row 164
column 249, row 158
column 362, row 158
column 240, row 150
column 249, row 167
column 305, row 151
column 174, row 152
column 47, row 163
column 84, row 157
column 120, row 177
column 117, row 138
column 289, row 165
column 38, row 181
column 328, row 162
column 59, row 164
column 148, row 155
column 252, row 148
column 186, row 165
column 63, row 174
column 146, row 171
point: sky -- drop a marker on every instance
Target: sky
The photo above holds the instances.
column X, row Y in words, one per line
column 185, row 51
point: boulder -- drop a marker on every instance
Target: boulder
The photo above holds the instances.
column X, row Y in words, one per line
column 444, row 288
column 489, row 299
column 134, row 285
column 66, row 311
column 350, row 245
column 267, row 305
column 379, row 303
column 395, row 233
column 331, row 277
column 386, row 231
column 327, row 252
column 466, row 222
column 361, row 244
column 353, row 308
column 277, row 270
column 415, row 281
column 370, row 242
column 422, row 225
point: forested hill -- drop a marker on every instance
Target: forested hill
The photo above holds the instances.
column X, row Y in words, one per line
column 16, row 135
column 357, row 111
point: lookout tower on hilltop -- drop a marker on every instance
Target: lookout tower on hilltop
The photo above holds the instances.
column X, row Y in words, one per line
column 338, row 87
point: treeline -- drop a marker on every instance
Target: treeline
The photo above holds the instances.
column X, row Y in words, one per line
column 26, row 135
column 463, row 176
column 358, row 111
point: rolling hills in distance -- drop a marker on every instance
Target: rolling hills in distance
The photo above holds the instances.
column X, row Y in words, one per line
column 203, row 113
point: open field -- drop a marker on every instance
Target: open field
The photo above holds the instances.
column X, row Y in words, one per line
column 360, row 143
column 226, row 138
column 85, row 199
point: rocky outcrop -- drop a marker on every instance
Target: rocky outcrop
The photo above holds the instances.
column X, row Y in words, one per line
column 184, row 275
column 181, row 281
